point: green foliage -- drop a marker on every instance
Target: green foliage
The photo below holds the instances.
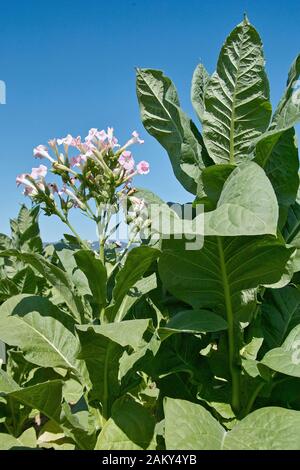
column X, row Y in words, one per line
column 158, row 346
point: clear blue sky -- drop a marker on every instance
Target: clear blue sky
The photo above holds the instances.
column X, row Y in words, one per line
column 69, row 65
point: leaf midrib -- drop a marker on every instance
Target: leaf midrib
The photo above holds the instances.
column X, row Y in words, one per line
column 47, row 341
column 162, row 105
column 232, row 119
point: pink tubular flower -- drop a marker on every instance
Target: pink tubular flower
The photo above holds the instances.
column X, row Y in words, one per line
column 39, row 172
column 112, row 141
column 126, row 160
column 73, row 196
column 22, row 179
column 78, row 160
column 91, row 135
column 41, row 151
column 29, row 188
column 52, row 143
column 136, row 138
column 143, row 168
column 68, row 140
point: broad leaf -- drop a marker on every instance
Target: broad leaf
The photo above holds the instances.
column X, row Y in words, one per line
column 287, row 113
column 102, row 348
column 215, row 275
column 193, row 321
column 95, row 273
column 27, row 440
column 137, row 262
column 282, row 169
column 131, row 427
column 190, row 427
column 203, row 432
column 280, row 314
column 247, row 204
column 43, row 332
column 7, row 383
column 164, row 120
column 237, row 97
column 45, row 397
column 286, row 359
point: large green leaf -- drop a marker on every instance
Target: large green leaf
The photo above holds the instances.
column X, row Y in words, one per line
column 247, row 204
column 45, row 397
column 27, row 440
column 164, row 120
column 95, row 273
column 291, row 231
column 270, row 428
column 59, row 279
column 135, row 293
column 193, row 321
column 285, row 117
column 43, row 332
column 215, row 275
column 131, row 427
column 286, row 359
column 280, row 314
column 203, row 432
column 7, row 383
column 137, row 262
column 102, row 347
column 199, row 83
column 190, row 427
column 237, row 97
column 287, row 113
column 282, row 169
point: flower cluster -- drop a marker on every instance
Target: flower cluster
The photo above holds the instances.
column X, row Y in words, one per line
column 96, row 167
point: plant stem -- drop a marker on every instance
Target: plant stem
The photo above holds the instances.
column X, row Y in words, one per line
column 232, row 349
column 253, row 398
column 66, row 221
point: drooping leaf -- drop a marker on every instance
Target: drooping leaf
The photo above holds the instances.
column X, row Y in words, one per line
column 164, row 120
column 199, row 83
column 237, row 97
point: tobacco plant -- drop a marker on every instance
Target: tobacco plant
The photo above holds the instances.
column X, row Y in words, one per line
column 159, row 344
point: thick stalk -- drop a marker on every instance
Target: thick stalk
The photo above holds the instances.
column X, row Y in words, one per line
column 81, row 242
column 233, row 352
